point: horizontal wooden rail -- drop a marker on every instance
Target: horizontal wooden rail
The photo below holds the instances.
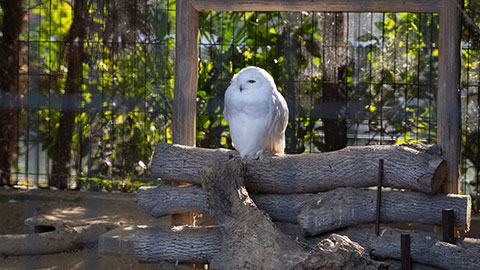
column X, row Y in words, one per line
column 320, row 5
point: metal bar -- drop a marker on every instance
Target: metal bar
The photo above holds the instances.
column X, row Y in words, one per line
column 405, row 252
column 448, row 226
column 379, row 196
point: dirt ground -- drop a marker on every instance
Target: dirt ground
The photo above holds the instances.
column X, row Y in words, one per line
column 17, row 205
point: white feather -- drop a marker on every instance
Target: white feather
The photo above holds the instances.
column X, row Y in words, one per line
column 256, row 113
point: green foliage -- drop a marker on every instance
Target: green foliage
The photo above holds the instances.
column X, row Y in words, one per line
column 387, row 62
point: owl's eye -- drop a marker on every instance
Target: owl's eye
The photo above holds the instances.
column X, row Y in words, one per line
column 252, row 81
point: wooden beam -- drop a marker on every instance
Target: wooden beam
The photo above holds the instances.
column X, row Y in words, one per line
column 185, row 90
column 449, row 132
column 319, row 5
column 186, row 73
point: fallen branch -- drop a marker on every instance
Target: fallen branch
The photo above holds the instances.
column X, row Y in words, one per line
column 408, row 166
column 60, row 240
column 320, row 212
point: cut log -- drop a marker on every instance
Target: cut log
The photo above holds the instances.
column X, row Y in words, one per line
column 181, row 243
column 320, row 212
column 345, row 207
column 164, row 200
column 407, row 166
column 426, row 248
column 250, row 240
column 60, row 240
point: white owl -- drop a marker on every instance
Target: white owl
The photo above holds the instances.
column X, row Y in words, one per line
column 256, row 112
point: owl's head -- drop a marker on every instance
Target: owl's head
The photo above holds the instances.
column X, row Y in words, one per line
column 253, row 78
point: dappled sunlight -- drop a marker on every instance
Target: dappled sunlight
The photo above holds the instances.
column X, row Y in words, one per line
column 62, row 213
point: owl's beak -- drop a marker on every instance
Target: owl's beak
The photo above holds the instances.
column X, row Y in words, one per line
column 241, row 88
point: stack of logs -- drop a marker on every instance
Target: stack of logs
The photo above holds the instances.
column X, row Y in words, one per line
column 280, row 213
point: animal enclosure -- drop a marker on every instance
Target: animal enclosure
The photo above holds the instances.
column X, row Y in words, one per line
column 387, row 64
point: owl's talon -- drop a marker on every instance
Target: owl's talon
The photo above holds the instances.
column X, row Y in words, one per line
column 259, row 155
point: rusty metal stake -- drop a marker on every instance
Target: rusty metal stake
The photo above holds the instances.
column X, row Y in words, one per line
column 405, row 252
column 448, row 226
column 379, row 196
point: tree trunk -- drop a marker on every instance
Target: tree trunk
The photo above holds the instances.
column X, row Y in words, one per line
column 407, row 166
column 334, row 111
column 322, row 212
column 249, row 239
column 63, row 143
column 290, row 48
column 12, row 25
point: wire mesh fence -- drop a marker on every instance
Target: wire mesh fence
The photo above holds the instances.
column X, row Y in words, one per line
column 348, row 78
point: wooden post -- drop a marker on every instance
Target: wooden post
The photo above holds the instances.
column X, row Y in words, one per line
column 185, row 91
column 186, row 72
column 449, row 133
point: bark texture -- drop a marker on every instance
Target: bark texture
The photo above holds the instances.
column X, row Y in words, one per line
column 407, row 166
column 12, row 25
column 428, row 251
column 334, row 94
column 60, row 240
column 249, row 239
column 449, row 112
column 165, row 200
column 340, row 253
column 322, row 212
column 181, row 243
column 348, row 206
column 426, row 248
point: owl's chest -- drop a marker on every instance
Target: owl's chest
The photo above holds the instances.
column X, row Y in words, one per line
column 259, row 103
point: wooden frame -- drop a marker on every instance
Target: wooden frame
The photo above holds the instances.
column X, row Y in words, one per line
column 448, row 110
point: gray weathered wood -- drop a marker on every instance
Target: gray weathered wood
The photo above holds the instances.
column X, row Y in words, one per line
column 186, row 67
column 165, row 200
column 426, row 248
column 347, row 207
column 449, row 122
column 397, row 265
column 320, row 212
column 61, row 240
column 408, row 166
column 181, row 243
column 320, row 5
column 249, row 239
column 340, row 253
